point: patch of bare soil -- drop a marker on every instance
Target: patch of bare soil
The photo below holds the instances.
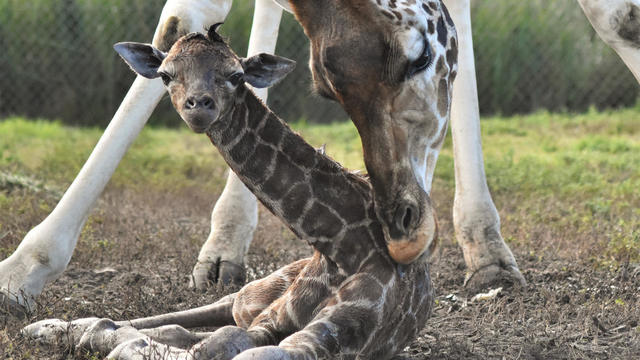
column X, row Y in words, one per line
column 136, row 254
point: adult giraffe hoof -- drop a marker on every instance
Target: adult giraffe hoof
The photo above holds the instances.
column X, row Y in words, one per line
column 492, row 276
column 231, row 273
column 219, row 271
column 55, row 331
column 9, row 305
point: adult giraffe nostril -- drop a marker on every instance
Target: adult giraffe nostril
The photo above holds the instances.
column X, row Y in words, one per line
column 406, row 221
column 405, row 218
column 207, row 102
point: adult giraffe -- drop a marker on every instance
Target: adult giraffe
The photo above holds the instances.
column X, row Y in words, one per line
column 47, row 249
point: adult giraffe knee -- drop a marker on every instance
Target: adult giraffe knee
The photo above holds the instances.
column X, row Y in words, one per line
column 46, row 250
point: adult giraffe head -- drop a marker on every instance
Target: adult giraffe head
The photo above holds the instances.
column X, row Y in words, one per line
column 391, row 65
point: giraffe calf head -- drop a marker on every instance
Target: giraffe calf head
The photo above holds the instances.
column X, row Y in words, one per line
column 202, row 74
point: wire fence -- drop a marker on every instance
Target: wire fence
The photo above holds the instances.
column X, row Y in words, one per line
column 57, row 62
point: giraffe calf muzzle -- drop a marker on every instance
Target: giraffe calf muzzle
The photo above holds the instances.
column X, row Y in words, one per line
column 199, row 102
column 199, row 112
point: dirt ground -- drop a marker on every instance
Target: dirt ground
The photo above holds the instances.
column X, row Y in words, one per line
column 139, row 246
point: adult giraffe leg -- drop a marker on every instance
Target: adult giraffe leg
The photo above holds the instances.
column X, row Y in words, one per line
column 475, row 218
column 618, row 24
column 235, row 215
column 46, row 250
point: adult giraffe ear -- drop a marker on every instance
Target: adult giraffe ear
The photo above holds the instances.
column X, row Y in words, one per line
column 144, row 59
column 264, row 70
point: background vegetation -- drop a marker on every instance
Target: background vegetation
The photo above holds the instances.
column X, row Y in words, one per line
column 57, row 60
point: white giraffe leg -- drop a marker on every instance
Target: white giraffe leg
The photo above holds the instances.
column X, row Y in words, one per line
column 46, row 250
column 235, row 215
column 618, row 24
column 475, row 218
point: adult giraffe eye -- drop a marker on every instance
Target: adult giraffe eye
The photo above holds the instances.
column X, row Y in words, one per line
column 236, row 78
column 166, row 78
column 421, row 62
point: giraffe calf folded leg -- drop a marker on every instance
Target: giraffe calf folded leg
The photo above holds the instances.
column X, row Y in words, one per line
column 223, row 344
column 56, row 331
column 103, row 335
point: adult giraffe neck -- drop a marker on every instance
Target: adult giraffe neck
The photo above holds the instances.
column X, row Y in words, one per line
column 315, row 197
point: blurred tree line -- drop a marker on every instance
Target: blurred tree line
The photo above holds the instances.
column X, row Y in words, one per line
column 57, row 61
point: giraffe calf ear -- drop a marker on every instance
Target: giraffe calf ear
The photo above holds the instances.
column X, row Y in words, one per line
column 144, row 59
column 264, row 70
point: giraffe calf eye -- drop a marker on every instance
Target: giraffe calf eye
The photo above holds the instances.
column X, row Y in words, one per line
column 236, row 78
column 166, row 78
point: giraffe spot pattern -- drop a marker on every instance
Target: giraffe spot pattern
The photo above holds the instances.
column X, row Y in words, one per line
column 295, row 201
column 234, row 127
column 351, row 208
column 319, row 221
column 269, row 133
column 443, row 97
column 284, row 174
column 241, row 151
column 257, row 169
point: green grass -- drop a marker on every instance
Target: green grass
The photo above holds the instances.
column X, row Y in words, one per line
column 569, row 179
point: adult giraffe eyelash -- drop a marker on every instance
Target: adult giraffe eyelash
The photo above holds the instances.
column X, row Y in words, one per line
column 422, row 62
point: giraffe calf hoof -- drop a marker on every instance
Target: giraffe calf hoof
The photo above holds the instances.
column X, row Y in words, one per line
column 224, row 344
column 55, row 331
column 264, row 353
column 130, row 350
column 492, row 276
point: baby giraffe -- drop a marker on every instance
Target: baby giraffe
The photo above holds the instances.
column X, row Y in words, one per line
column 349, row 301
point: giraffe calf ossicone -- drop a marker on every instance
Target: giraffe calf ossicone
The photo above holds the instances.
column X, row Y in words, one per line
column 351, row 300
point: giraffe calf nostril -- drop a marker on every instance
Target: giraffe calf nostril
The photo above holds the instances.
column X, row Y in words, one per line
column 207, row 102
column 199, row 102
